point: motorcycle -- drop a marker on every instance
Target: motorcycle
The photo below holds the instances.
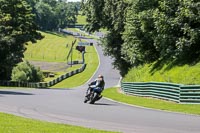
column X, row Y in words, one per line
column 91, row 96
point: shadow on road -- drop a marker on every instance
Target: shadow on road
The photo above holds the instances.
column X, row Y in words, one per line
column 13, row 93
column 106, row 104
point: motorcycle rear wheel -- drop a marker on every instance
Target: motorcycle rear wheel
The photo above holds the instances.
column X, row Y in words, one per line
column 93, row 98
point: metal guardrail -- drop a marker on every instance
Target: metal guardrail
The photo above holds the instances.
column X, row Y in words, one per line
column 80, row 26
column 190, row 94
column 168, row 91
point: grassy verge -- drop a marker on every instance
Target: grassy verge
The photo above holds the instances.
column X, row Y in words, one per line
column 58, row 74
column 92, row 61
column 21, row 88
column 113, row 93
column 183, row 74
column 14, row 124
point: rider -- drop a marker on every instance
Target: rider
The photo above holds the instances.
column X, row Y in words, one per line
column 98, row 85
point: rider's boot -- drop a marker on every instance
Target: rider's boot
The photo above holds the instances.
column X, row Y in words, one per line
column 86, row 98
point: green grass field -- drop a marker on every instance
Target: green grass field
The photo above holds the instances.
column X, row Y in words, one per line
column 52, row 48
column 14, row 124
column 153, row 103
column 81, row 19
column 92, row 61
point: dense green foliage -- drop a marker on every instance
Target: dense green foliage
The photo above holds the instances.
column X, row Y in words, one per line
column 138, row 46
column 26, row 72
column 54, row 14
column 143, row 31
column 162, row 29
column 109, row 14
column 16, row 27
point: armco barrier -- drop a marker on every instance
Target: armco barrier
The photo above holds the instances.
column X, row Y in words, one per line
column 168, row 91
column 42, row 84
column 190, row 94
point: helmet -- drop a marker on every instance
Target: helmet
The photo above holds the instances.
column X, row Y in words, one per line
column 100, row 76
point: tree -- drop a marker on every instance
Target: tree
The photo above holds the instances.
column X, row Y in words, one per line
column 45, row 16
column 178, row 25
column 143, row 31
column 16, row 28
column 54, row 14
column 139, row 34
column 162, row 30
column 109, row 14
column 26, row 72
column 71, row 12
column 93, row 9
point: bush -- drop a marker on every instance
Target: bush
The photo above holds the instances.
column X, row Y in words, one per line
column 26, row 72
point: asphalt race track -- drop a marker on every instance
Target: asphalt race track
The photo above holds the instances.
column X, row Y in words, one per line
column 66, row 106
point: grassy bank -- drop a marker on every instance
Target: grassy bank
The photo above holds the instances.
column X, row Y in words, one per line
column 14, row 124
column 183, row 74
column 114, row 94
column 52, row 48
column 170, row 71
column 55, row 48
